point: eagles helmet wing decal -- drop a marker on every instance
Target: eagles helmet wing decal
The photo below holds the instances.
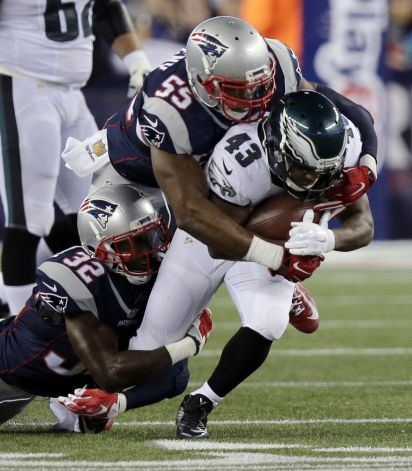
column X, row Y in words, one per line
column 100, row 209
column 211, row 47
column 302, row 148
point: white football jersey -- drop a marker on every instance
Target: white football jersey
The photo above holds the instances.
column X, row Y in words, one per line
column 238, row 170
column 49, row 40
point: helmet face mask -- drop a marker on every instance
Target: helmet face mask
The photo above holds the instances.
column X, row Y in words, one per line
column 135, row 253
column 119, row 226
column 230, row 69
column 306, row 138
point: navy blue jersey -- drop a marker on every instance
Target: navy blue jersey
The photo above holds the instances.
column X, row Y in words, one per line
column 35, row 352
column 165, row 114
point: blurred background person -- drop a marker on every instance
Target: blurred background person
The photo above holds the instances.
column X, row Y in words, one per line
column 399, row 62
column 45, row 59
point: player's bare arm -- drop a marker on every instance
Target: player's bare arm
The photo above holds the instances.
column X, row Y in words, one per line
column 183, row 182
column 96, row 345
column 356, row 229
column 111, row 21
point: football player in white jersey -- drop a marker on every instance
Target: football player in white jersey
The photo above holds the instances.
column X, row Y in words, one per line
column 45, row 58
column 304, row 147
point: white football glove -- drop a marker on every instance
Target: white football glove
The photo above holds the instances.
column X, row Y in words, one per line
column 138, row 67
column 309, row 238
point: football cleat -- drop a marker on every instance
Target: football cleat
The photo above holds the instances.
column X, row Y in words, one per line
column 191, row 419
column 303, row 314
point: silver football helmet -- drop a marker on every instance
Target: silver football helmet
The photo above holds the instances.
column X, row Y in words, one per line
column 118, row 225
column 230, row 69
column 306, row 142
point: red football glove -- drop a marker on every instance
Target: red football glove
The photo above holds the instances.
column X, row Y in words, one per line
column 95, row 403
column 299, row 267
column 351, row 185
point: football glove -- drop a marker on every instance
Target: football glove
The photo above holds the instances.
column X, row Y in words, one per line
column 298, row 268
column 353, row 183
column 95, row 403
column 138, row 67
column 309, row 238
column 201, row 329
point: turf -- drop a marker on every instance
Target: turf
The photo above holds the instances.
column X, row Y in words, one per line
column 338, row 399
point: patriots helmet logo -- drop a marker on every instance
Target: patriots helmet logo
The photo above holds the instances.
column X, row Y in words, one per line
column 102, row 210
column 211, row 47
column 56, row 302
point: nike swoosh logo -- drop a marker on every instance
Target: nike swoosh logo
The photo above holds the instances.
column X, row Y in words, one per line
column 152, row 123
column 297, row 267
column 103, row 410
column 361, row 188
column 51, row 288
column 228, row 172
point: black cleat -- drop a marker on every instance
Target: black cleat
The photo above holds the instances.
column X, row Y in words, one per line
column 191, row 419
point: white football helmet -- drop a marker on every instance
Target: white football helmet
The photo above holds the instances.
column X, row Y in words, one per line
column 118, row 225
column 230, row 69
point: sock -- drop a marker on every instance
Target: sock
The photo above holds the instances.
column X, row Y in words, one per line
column 17, row 296
column 207, row 391
column 241, row 356
column 63, row 233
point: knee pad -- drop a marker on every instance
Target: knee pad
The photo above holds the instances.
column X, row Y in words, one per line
column 181, row 373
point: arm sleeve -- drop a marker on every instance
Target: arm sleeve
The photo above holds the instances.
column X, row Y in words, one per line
column 359, row 115
column 111, row 19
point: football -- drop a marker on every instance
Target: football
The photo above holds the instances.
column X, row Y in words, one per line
column 272, row 218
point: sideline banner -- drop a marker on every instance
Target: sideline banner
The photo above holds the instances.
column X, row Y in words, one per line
column 344, row 48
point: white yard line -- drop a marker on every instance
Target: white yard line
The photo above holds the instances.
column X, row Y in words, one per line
column 309, row 352
column 337, row 301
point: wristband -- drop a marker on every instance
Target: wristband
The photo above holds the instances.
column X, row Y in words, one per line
column 182, row 349
column 130, row 58
column 368, row 161
column 265, row 253
column 122, row 402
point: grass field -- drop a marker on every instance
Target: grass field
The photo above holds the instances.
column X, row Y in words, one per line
column 338, row 399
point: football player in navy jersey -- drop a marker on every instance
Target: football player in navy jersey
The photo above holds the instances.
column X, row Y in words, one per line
column 227, row 74
column 87, row 303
